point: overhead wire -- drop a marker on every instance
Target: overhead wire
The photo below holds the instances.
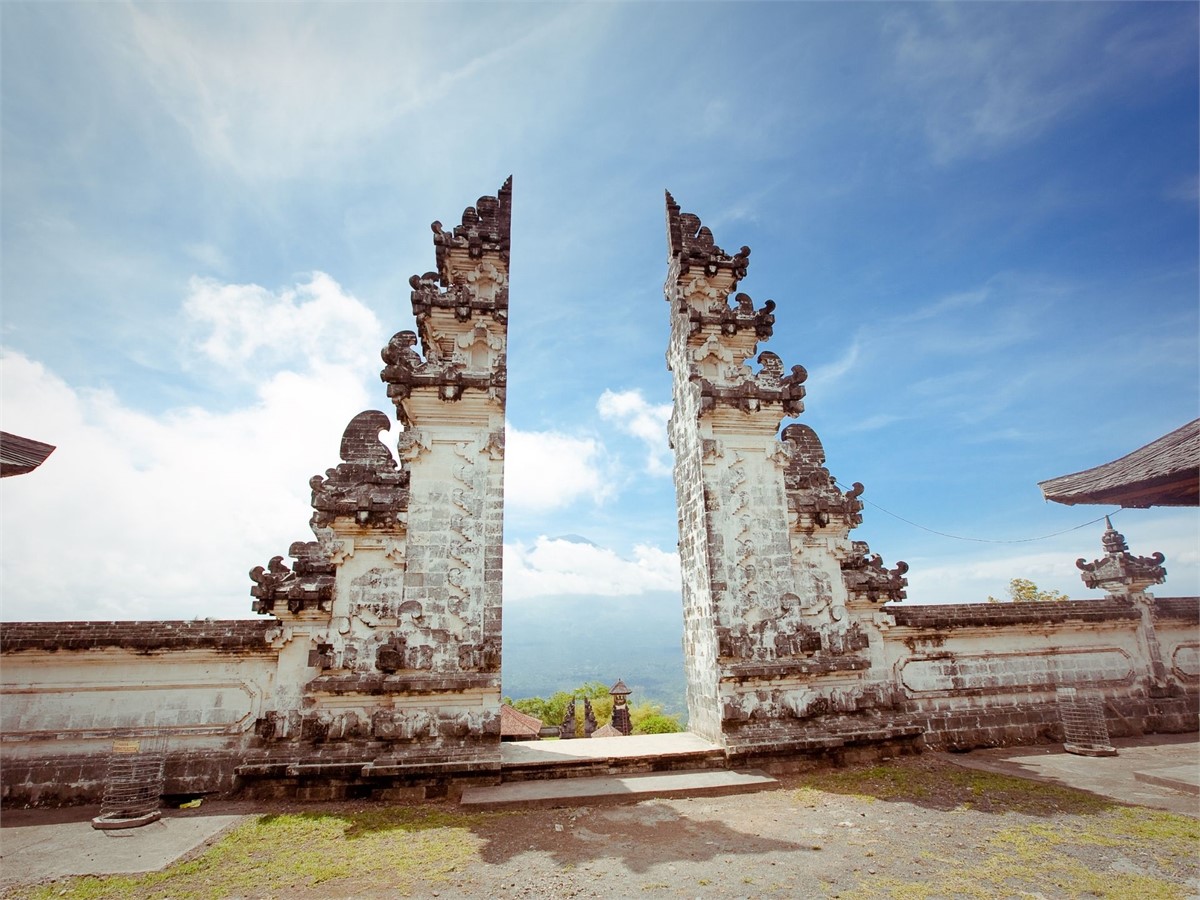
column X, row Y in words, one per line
column 959, row 537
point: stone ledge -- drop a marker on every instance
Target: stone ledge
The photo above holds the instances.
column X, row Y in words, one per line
column 965, row 615
column 817, row 665
column 1177, row 608
column 228, row 635
column 416, row 683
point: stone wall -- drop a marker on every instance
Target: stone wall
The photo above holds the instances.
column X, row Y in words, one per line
column 376, row 670
column 778, row 601
column 986, row 674
column 68, row 689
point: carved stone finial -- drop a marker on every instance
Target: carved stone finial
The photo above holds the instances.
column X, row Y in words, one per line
column 1119, row 573
column 1112, row 540
column 367, row 486
column 486, row 226
column 812, row 492
column 307, row 585
column 693, row 246
column 867, row 579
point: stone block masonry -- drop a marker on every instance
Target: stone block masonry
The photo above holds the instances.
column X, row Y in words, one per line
column 779, row 604
column 393, row 613
column 374, row 670
column 787, row 645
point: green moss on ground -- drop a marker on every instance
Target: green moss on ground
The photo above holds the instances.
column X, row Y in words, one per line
column 275, row 855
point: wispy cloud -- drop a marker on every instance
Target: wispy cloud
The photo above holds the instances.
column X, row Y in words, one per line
column 547, row 470
column 984, row 81
column 280, row 95
column 631, row 413
column 551, row 567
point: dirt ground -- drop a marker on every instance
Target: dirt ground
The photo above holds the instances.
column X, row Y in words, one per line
column 913, row 828
column 933, row 831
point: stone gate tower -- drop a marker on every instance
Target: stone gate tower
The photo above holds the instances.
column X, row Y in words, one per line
column 781, row 631
column 391, row 617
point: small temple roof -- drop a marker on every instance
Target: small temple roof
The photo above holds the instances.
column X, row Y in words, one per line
column 1165, row 472
column 619, row 688
column 20, row 455
column 516, row 724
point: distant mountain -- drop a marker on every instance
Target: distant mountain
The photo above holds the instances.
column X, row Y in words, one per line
column 574, row 539
column 553, row 644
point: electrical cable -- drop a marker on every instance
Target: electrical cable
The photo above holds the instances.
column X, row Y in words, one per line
column 959, row 537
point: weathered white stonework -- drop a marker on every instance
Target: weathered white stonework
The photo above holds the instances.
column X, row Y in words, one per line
column 375, row 670
column 395, row 608
column 779, row 604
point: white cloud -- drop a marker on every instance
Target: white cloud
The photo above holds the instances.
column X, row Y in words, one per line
column 977, row 573
column 545, row 470
column 647, row 422
column 553, row 567
column 160, row 516
column 269, row 96
column 250, row 329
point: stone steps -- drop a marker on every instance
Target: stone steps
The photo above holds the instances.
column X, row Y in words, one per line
column 608, row 789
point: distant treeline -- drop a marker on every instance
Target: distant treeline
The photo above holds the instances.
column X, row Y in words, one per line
column 647, row 716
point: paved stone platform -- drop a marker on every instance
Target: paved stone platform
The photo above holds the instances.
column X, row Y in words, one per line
column 637, row 745
column 53, row 849
column 1161, row 771
column 1177, row 778
column 616, row 789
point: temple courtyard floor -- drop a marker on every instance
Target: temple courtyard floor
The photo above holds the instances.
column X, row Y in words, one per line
column 1017, row 822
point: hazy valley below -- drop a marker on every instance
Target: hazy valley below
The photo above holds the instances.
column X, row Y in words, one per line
column 554, row 644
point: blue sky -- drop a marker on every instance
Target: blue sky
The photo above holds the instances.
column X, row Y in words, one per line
column 979, row 222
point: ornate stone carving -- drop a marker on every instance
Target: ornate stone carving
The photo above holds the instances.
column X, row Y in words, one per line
column 693, row 246
column 752, row 391
column 367, row 486
column 485, row 226
column 567, row 729
column 1118, row 572
column 308, row 584
column 732, row 319
column 462, row 315
column 813, row 495
column 589, row 718
column 867, row 579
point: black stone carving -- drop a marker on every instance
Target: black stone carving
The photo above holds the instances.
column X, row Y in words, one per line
column 368, row 485
column 811, row 490
column 1119, row 572
column 693, row 246
column 390, row 655
column 589, row 718
column 307, row 585
column 867, row 578
column 735, row 318
column 485, row 226
column 427, row 295
column 567, row 729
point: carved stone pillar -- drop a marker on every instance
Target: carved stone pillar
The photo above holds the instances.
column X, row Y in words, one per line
column 397, row 604
column 1123, row 576
column 769, row 575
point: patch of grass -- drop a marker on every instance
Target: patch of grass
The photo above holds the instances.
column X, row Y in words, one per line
column 868, row 783
column 275, row 854
column 1042, row 859
column 929, row 782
